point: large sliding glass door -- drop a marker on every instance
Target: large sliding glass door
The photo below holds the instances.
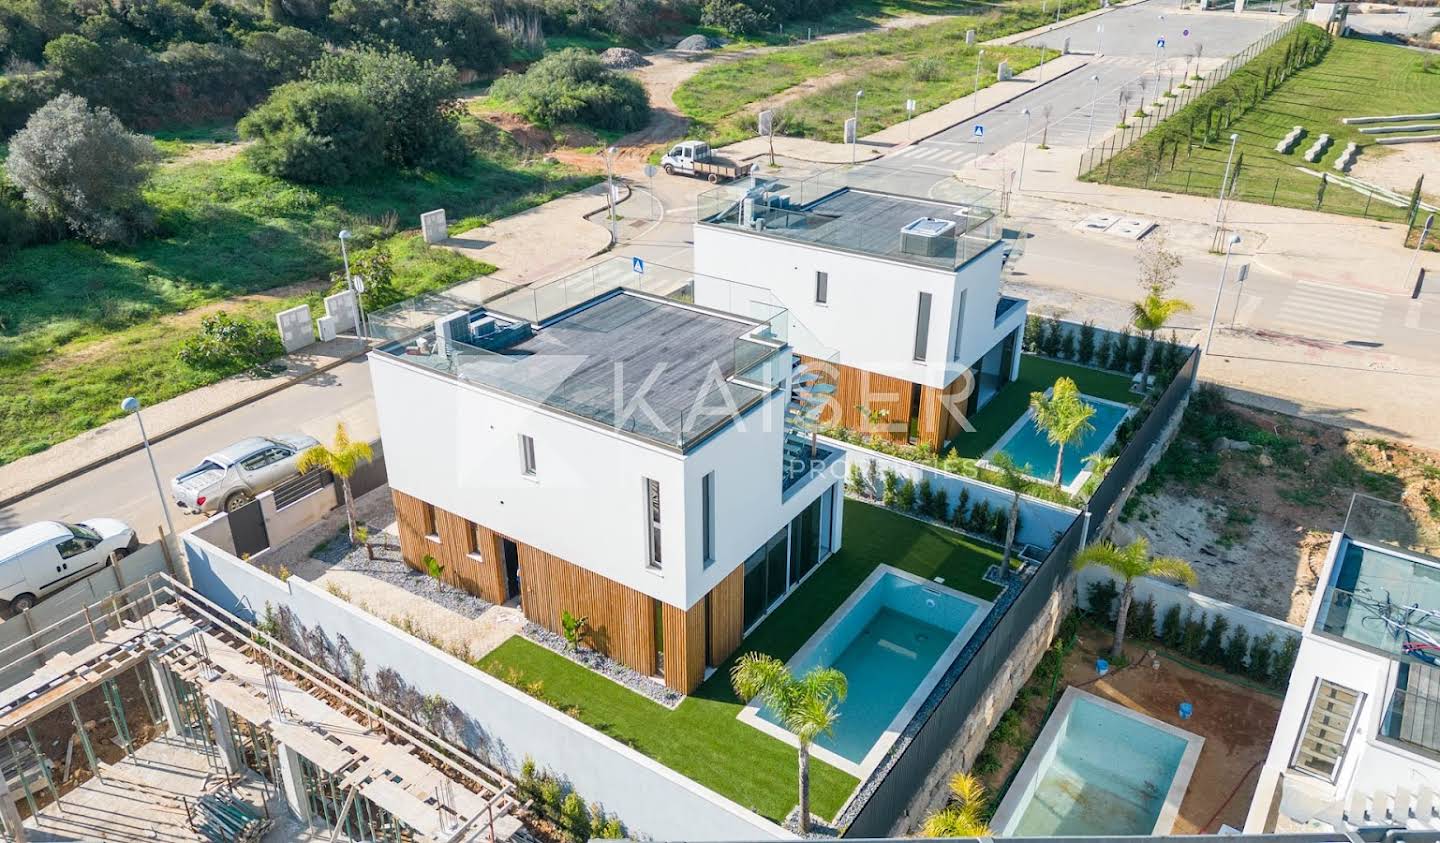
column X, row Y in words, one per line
column 765, row 576
column 779, row 564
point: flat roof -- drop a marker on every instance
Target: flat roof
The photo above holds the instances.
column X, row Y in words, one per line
column 1381, row 598
column 645, row 365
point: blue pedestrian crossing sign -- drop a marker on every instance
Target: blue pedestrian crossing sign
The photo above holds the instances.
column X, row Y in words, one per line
column 637, row 266
column 1160, row 42
column 979, row 131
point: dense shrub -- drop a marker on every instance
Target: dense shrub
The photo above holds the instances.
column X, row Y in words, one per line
column 81, row 165
column 323, row 133
column 226, row 344
column 572, row 86
column 414, row 99
column 733, row 16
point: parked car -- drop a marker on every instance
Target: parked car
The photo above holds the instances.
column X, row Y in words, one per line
column 232, row 477
column 42, row 558
column 695, row 158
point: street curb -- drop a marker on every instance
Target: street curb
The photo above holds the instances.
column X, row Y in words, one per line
column 71, row 474
column 605, row 206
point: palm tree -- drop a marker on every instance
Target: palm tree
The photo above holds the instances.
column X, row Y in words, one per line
column 1064, row 418
column 961, row 817
column 341, row 458
column 1148, row 316
column 1014, row 479
column 806, row 706
column 1128, row 562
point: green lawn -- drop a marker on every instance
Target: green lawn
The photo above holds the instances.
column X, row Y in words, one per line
column 929, row 63
column 1036, row 375
column 82, row 327
column 1354, row 78
column 702, row 738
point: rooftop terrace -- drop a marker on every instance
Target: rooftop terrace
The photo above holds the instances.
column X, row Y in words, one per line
column 664, row 371
column 837, row 212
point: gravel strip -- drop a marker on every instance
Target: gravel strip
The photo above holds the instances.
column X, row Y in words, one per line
column 388, row 567
column 603, row 665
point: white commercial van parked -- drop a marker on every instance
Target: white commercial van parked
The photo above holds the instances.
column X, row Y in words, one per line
column 42, row 558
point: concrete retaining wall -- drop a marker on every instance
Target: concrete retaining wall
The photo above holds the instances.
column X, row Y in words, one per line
column 501, row 725
column 1166, row 595
column 1040, row 521
column 149, row 559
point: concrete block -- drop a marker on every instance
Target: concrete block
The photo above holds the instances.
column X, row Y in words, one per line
column 344, row 309
column 969, row 37
column 434, row 227
column 1003, row 72
column 296, row 332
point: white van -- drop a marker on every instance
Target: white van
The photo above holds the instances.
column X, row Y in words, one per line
column 44, row 557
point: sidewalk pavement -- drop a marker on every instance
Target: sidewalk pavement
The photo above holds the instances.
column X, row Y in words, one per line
column 900, row 135
column 121, row 436
column 542, row 241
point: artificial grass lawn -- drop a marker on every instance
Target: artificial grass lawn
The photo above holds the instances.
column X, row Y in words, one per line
column 1036, row 375
column 81, row 326
column 930, row 63
column 1355, row 78
column 702, row 738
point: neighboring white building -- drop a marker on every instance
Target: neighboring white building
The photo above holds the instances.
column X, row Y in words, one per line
column 624, row 458
column 1358, row 741
column 900, row 295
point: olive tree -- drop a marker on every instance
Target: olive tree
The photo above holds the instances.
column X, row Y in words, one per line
column 81, row 166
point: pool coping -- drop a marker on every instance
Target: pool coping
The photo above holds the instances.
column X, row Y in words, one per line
column 1041, row 751
column 1074, row 486
column 751, row 712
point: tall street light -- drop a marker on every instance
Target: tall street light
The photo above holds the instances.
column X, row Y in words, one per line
column 1225, row 182
column 610, row 190
column 1099, row 39
column 1089, row 129
column 855, row 116
column 1020, row 181
column 975, row 97
column 1220, row 288
column 345, row 236
column 131, row 405
column 1424, row 232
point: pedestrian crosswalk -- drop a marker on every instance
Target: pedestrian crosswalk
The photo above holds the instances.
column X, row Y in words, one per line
column 1324, row 310
column 935, row 154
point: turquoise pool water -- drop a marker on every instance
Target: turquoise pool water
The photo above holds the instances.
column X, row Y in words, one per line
column 1028, row 446
column 885, row 643
column 1105, row 773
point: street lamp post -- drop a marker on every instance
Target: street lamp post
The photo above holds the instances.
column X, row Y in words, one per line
column 1225, row 182
column 345, row 236
column 610, row 190
column 132, row 405
column 1424, row 232
column 975, row 97
column 855, row 117
column 1099, row 39
column 1091, row 127
column 1220, row 288
column 1020, row 180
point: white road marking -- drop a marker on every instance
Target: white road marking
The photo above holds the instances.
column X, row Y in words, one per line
column 1342, row 312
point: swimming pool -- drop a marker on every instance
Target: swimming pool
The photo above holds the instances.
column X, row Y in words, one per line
column 1099, row 768
column 1027, row 446
column 893, row 638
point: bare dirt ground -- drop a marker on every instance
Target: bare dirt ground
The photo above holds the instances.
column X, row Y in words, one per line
column 1397, row 167
column 1250, row 499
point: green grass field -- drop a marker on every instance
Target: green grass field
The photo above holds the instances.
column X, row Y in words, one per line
column 1354, row 78
column 928, row 63
column 82, row 327
column 702, row 737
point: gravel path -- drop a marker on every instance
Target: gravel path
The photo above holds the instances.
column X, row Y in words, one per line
column 605, row 666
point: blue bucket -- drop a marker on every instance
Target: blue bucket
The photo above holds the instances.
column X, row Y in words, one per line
column 1102, row 666
column 1186, row 709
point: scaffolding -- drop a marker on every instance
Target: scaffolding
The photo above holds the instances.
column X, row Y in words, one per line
column 247, row 704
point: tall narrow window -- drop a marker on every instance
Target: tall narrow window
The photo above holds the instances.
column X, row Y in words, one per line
column 652, row 525
column 822, row 288
column 527, row 455
column 922, row 326
column 960, row 325
column 707, row 518
column 659, row 615
column 1327, row 730
column 427, row 520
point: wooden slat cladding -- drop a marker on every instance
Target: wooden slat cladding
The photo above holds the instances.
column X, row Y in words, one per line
column 857, row 391
column 684, row 647
column 727, row 616
column 483, row 577
column 938, row 424
column 621, row 619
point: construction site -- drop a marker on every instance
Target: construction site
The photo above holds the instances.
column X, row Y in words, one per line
column 155, row 715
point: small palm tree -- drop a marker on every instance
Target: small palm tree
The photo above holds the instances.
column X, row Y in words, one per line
column 341, row 458
column 1015, row 480
column 1129, row 562
column 1148, row 316
column 1064, row 418
column 806, row 706
column 961, row 817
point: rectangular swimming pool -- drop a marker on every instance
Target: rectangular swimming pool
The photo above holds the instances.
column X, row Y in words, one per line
column 1099, row 768
column 892, row 638
column 1027, row 446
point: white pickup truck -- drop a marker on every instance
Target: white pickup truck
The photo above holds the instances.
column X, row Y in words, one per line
column 694, row 158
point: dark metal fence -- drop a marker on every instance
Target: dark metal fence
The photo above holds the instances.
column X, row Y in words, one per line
column 295, row 488
column 903, row 772
column 1135, row 128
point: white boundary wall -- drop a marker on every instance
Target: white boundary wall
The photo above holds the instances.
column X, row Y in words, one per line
column 651, row 800
column 1166, row 595
column 1040, row 521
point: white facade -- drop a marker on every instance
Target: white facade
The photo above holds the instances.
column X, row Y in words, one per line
column 869, row 316
column 456, row 445
column 1375, row 777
